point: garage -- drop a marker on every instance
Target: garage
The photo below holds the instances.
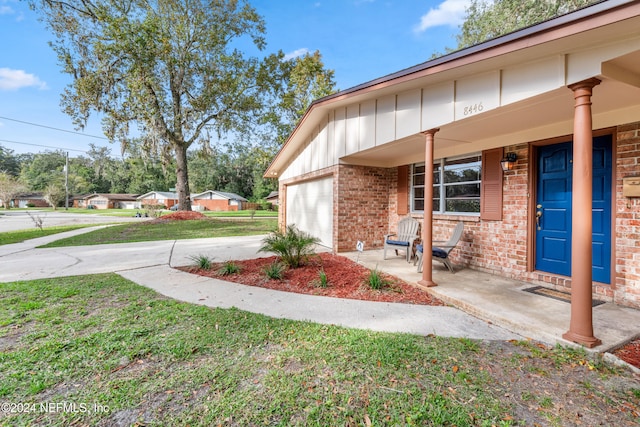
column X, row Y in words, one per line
column 310, row 208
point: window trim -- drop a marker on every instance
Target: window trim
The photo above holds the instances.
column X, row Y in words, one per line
column 442, row 186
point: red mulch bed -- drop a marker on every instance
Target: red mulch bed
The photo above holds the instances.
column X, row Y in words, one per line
column 630, row 353
column 181, row 216
column 346, row 279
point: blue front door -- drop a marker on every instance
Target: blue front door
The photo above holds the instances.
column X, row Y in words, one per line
column 553, row 209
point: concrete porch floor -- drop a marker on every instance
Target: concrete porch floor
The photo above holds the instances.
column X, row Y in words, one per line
column 504, row 302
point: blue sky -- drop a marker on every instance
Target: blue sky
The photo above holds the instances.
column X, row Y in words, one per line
column 360, row 40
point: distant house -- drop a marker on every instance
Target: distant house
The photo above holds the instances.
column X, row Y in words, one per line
column 273, row 198
column 111, row 201
column 158, row 198
column 25, row 200
column 80, row 201
column 217, row 201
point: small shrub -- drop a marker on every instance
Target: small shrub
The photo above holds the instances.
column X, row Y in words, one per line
column 229, row 267
column 323, row 280
column 375, row 280
column 275, row 270
column 202, row 261
column 293, row 246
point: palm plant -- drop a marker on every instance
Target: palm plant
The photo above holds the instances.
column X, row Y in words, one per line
column 293, row 246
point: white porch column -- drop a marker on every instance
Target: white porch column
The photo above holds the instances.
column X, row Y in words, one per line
column 427, row 223
column 581, row 324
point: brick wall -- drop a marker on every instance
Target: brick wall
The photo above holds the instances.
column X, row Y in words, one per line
column 361, row 212
column 215, row 205
column 627, row 219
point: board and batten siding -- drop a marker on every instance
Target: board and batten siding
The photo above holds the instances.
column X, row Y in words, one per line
column 360, row 126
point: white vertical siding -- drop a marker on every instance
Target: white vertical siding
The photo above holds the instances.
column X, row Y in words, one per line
column 408, row 113
column 353, row 114
column 476, row 94
column 438, row 105
column 526, row 80
column 331, row 139
column 386, row 119
column 340, row 128
column 367, row 125
column 322, row 143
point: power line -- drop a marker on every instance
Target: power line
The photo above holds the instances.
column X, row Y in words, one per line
column 44, row 146
column 57, row 129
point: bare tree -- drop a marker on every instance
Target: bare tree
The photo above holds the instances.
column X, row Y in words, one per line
column 54, row 194
column 9, row 189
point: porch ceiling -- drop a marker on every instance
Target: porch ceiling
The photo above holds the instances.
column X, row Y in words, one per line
column 545, row 116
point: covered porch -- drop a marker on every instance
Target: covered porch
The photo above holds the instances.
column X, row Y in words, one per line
column 505, row 302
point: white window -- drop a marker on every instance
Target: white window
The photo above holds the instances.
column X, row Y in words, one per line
column 456, row 185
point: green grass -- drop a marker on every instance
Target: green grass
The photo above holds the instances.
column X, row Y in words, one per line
column 170, row 230
column 126, row 353
column 132, row 212
column 33, row 233
column 245, row 213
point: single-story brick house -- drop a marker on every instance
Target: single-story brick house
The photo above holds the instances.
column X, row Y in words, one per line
column 24, row 200
column 560, row 99
column 217, row 201
column 110, row 201
column 158, row 198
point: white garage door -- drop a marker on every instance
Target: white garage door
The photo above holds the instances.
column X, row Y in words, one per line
column 310, row 208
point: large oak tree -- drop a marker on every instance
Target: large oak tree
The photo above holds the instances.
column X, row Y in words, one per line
column 164, row 70
column 486, row 19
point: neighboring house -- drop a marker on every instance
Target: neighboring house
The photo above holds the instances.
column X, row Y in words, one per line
column 561, row 99
column 111, row 201
column 29, row 199
column 217, row 201
column 158, row 198
column 273, row 198
column 80, row 201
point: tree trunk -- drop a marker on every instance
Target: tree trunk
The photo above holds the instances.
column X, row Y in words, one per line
column 182, row 177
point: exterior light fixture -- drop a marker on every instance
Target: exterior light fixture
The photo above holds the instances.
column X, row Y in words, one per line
column 508, row 162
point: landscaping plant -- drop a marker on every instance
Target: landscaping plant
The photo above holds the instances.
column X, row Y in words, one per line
column 275, row 270
column 229, row 267
column 293, row 246
column 202, row 261
column 375, row 280
column 323, row 280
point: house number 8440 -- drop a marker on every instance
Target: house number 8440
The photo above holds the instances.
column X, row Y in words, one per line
column 473, row 109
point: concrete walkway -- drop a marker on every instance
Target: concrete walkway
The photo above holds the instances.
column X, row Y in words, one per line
column 150, row 264
column 483, row 306
column 505, row 302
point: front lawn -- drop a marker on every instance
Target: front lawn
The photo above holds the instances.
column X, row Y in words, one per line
column 170, row 230
column 100, row 350
column 33, row 233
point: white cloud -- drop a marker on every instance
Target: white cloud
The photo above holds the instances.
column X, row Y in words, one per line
column 16, row 79
column 296, row 53
column 6, row 10
column 448, row 13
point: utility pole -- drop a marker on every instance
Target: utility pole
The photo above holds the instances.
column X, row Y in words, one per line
column 66, row 183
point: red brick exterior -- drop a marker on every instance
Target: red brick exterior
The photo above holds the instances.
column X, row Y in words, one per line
column 361, row 209
column 627, row 219
column 215, row 205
